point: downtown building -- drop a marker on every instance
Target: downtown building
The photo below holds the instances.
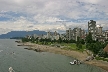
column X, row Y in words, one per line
column 92, row 29
column 51, row 35
column 75, row 33
column 97, row 32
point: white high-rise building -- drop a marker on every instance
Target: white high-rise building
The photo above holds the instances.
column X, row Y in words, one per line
column 99, row 30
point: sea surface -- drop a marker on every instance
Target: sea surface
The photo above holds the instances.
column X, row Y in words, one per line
column 22, row 60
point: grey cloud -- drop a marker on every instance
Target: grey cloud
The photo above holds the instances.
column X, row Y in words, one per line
column 47, row 13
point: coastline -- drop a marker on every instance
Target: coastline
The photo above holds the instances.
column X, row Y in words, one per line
column 75, row 54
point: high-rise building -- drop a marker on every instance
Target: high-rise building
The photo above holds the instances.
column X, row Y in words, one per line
column 48, row 35
column 99, row 30
column 55, row 33
column 106, row 34
column 92, row 28
column 83, row 34
column 69, row 34
column 77, row 33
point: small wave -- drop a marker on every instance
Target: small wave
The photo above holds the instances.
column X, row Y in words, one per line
column 7, row 47
column 1, row 50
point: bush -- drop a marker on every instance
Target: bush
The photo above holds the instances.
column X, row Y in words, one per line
column 102, row 54
column 101, row 58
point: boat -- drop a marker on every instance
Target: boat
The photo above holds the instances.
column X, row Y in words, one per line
column 75, row 62
column 72, row 63
column 11, row 69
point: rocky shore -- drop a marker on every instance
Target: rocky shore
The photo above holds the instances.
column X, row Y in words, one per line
column 75, row 54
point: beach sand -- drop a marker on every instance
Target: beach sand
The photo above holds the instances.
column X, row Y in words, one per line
column 75, row 54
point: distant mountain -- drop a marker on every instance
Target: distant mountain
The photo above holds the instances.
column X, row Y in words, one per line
column 13, row 34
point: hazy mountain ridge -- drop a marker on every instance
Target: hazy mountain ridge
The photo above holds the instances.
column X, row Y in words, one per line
column 21, row 33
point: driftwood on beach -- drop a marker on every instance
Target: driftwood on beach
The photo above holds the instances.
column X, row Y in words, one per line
column 18, row 41
column 19, row 45
column 37, row 50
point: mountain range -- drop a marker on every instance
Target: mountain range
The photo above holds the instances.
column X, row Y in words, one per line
column 13, row 34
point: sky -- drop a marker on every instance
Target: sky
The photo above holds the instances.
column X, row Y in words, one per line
column 51, row 15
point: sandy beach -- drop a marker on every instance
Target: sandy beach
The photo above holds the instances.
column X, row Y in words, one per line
column 75, row 54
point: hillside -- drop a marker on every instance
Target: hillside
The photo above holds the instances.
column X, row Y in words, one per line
column 21, row 33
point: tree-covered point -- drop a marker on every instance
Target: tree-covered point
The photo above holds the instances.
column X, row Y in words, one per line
column 25, row 39
column 16, row 37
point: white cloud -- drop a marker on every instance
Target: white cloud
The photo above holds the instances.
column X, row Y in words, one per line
column 47, row 14
column 92, row 1
column 4, row 30
column 45, row 19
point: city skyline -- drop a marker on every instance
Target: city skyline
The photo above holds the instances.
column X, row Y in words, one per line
column 51, row 15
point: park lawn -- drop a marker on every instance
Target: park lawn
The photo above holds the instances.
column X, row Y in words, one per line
column 69, row 46
column 83, row 47
column 72, row 46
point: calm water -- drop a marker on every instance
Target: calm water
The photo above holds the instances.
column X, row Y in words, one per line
column 23, row 60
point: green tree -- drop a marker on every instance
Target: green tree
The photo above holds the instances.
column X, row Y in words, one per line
column 25, row 39
column 82, row 41
column 94, row 47
column 102, row 53
column 72, row 41
column 59, row 40
column 78, row 43
column 37, row 40
column 89, row 38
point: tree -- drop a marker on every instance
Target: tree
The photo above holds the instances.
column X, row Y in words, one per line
column 102, row 53
column 54, row 40
column 66, row 41
column 78, row 43
column 59, row 40
column 25, row 39
column 37, row 40
column 72, row 41
column 89, row 38
column 94, row 47
column 82, row 41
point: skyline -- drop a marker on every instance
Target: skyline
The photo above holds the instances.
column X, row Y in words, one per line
column 53, row 15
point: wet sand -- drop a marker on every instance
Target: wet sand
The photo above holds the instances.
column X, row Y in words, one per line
column 75, row 54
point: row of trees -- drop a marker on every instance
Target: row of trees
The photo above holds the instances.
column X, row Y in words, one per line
column 46, row 41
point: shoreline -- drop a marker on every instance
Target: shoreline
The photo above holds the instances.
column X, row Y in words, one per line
column 75, row 54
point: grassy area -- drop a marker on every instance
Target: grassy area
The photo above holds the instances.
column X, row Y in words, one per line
column 83, row 46
column 72, row 46
column 101, row 58
column 68, row 46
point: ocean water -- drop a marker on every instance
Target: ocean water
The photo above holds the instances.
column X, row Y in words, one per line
column 22, row 60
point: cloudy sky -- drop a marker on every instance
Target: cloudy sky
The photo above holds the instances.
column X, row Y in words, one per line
column 51, row 15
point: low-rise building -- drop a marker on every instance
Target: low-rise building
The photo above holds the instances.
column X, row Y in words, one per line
column 51, row 35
